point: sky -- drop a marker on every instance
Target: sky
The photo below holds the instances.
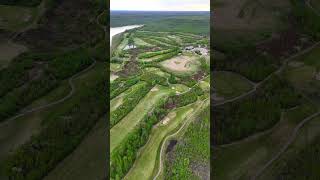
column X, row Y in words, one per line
column 160, row 5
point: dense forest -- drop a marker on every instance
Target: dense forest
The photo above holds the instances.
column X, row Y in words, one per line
column 63, row 132
column 29, row 77
column 303, row 165
column 261, row 111
column 193, row 147
column 29, row 3
column 124, row 155
column 128, row 103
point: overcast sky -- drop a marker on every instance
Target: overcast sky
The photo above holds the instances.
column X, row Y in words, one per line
column 161, row 5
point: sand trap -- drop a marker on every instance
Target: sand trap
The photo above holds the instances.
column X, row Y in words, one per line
column 113, row 77
column 170, row 116
column 180, row 63
column 154, row 89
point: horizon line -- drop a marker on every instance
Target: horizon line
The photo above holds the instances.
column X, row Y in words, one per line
column 163, row 10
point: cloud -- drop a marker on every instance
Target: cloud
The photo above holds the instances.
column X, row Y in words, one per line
column 161, row 5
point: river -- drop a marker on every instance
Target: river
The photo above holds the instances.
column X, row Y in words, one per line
column 117, row 30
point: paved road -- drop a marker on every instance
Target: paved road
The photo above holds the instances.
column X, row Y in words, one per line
column 70, row 81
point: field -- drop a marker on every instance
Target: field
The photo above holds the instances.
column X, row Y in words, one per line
column 157, row 57
column 266, row 90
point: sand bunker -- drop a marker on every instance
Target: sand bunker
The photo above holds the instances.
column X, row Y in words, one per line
column 154, row 89
column 170, row 116
column 180, row 63
column 113, row 77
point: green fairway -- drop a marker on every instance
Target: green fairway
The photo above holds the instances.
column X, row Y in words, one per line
column 128, row 123
column 117, row 101
column 88, row 161
column 230, row 85
column 146, row 161
column 115, row 67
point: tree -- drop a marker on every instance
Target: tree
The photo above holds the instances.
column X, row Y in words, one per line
column 131, row 42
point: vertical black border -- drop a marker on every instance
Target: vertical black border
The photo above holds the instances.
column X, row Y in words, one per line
column 107, row 38
column 212, row 119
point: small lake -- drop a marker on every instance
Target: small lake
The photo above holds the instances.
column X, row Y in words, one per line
column 117, row 30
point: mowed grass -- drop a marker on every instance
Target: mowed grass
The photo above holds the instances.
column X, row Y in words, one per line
column 241, row 161
column 140, row 42
column 146, row 161
column 230, row 85
column 315, row 4
column 117, row 101
column 16, row 132
column 88, row 161
column 115, row 67
column 129, row 122
column 9, row 51
column 157, row 71
column 15, row 17
column 303, row 76
column 312, row 58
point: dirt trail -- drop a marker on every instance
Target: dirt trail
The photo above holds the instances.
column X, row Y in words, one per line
column 257, row 85
column 70, row 81
column 297, row 128
column 285, row 147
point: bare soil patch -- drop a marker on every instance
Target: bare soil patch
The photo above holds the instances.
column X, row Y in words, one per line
column 180, row 63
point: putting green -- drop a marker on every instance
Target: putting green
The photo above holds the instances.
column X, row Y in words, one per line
column 147, row 162
column 128, row 123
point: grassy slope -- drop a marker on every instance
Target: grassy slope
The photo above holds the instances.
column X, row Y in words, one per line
column 230, row 85
column 14, row 17
column 146, row 161
column 242, row 160
column 117, row 101
column 191, row 159
column 18, row 131
column 306, row 135
column 88, row 161
column 127, row 124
